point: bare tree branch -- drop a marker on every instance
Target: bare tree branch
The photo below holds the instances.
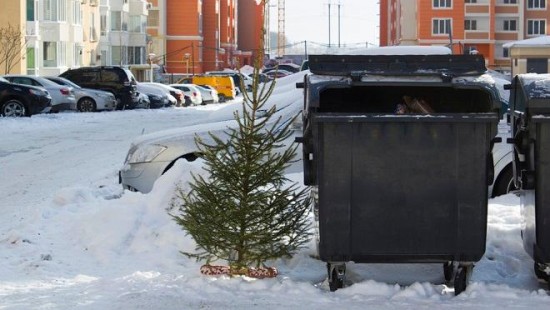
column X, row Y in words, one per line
column 12, row 46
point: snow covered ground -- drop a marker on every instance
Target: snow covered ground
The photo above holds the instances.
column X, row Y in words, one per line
column 70, row 238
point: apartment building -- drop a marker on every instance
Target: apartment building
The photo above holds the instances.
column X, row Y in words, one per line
column 123, row 35
column 468, row 26
column 63, row 34
column 195, row 36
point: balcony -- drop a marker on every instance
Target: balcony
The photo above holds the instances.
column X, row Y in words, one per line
column 138, row 7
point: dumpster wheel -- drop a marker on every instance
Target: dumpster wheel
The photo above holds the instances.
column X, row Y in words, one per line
column 462, row 277
column 448, row 271
column 336, row 276
column 541, row 273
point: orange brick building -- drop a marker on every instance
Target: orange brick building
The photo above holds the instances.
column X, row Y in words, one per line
column 194, row 36
column 481, row 26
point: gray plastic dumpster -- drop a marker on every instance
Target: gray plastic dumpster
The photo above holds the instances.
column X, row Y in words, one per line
column 531, row 131
column 399, row 188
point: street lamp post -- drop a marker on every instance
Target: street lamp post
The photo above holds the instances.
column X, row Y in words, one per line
column 187, row 62
column 151, row 55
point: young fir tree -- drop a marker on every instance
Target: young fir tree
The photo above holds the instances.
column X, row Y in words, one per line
column 245, row 210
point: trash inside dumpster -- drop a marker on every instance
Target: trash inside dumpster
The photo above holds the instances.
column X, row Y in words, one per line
column 530, row 95
column 398, row 153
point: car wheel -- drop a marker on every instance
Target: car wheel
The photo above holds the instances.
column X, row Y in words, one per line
column 221, row 98
column 119, row 104
column 86, row 105
column 505, row 182
column 14, row 108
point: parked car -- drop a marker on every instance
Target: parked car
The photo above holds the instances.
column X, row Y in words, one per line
column 63, row 97
column 143, row 101
column 158, row 98
column 209, row 94
column 190, row 90
column 290, row 67
column 237, row 79
column 152, row 155
column 224, row 85
column 88, row 99
column 176, row 93
column 275, row 74
column 187, row 101
column 18, row 100
column 117, row 80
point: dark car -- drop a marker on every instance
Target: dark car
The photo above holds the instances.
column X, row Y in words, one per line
column 22, row 100
column 117, row 80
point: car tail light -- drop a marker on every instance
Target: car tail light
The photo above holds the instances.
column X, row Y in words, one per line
column 65, row 91
column 194, row 94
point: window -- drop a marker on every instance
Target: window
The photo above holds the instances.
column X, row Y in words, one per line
column 103, row 25
column 470, row 24
column 442, row 3
column 116, row 20
column 125, row 19
column 31, row 13
column 471, row 1
column 505, row 53
column 49, row 54
column 441, row 26
column 153, row 18
column 510, row 1
column 77, row 17
column 136, row 55
column 536, row 27
column 31, row 61
column 93, row 33
column 50, row 10
column 510, row 25
column 135, row 23
column 536, row 4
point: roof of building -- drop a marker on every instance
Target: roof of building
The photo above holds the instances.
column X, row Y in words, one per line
column 536, row 41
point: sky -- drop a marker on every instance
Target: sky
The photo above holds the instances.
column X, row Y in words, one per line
column 71, row 238
column 308, row 20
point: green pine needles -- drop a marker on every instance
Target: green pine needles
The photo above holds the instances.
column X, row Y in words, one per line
column 244, row 210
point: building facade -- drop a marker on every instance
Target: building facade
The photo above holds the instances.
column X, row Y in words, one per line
column 195, row 36
column 468, row 26
column 63, row 34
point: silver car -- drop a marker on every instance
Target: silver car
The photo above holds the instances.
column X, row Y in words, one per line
column 209, row 95
column 63, row 97
column 151, row 155
column 87, row 99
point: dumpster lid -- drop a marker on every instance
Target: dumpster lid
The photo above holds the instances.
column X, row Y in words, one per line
column 535, row 86
column 354, row 65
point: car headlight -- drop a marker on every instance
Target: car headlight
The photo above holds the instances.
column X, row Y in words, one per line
column 145, row 154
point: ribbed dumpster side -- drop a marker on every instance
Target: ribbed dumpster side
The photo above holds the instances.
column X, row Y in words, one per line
column 403, row 188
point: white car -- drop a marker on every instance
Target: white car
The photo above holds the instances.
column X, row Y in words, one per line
column 209, row 94
column 151, row 155
column 176, row 93
column 190, row 90
column 88, row 99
